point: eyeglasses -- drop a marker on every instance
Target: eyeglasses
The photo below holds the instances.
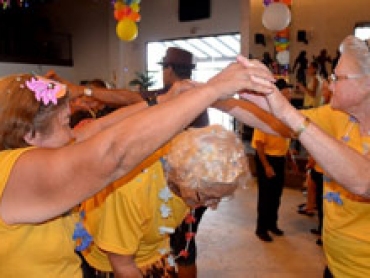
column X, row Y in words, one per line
column 334, row 77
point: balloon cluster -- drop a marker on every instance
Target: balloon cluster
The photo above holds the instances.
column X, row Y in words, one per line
column 268, row 2
column 8, row 4
column 277, row 17
column 126, row 12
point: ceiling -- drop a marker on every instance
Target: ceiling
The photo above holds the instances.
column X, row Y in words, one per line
column 219, row 48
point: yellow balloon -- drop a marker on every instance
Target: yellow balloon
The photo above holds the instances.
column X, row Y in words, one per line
column 135, row 7
column 126, row 30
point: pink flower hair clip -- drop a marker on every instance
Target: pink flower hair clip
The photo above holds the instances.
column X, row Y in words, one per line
column 46, row 90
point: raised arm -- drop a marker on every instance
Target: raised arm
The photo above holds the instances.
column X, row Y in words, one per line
column 47, row 182
column 347, row 166
column 113, row 97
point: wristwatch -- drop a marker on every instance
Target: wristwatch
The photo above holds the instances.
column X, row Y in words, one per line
column 88, row 91
column 151, row 100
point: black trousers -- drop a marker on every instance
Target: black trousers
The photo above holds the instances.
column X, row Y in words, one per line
column 269, row 192
column 317, row 177
column 178, row 239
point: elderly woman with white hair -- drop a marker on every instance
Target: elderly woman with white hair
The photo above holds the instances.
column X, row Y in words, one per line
column 132, row 226
column 338, row 138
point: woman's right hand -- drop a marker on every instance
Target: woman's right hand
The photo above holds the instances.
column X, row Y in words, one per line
column 237, row 77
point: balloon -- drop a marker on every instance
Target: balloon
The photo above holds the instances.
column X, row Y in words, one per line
column 283, row 33
column 286, row 2
column 280, row 40
column 283, row 57
column 126, row 30
column 276, row 17
column 134, row 16
column 119, row 14
column 119, row 5
column 281, row 48
column 135, row 7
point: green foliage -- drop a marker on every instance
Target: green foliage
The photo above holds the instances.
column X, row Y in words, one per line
column 143, row 79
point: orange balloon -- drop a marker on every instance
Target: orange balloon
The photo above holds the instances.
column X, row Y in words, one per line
column 286, row 2
column 134, row 16
column 126, row 29
column 119, row 14
column 283, row 33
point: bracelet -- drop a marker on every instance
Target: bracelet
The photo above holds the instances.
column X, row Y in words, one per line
column 301, row 128
column 88, row 92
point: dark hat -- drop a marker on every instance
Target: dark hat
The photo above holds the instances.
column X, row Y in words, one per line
column 282, row 84
column 178, row 56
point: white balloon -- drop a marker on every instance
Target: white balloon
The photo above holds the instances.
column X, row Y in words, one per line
column 276, row 16
column 283, row 57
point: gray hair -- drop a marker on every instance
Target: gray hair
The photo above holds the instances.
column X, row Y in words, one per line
column 359, row 50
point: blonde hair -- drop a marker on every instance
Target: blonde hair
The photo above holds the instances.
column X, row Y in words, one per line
column 21, row 113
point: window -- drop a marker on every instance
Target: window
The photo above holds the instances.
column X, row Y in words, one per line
column 362, row 30
column 211, row 53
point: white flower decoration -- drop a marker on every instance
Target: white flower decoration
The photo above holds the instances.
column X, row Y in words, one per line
column 165, row 194
column 165, row 211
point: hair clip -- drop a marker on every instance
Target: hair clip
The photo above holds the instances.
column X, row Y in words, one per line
column 46, row 90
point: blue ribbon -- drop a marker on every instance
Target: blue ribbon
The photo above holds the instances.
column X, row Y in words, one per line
column 82, row 234
column 333, row 197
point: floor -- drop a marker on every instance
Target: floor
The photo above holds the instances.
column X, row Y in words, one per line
column 228, row 247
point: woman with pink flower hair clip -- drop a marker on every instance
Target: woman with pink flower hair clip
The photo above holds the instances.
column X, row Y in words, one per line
column 46, row 168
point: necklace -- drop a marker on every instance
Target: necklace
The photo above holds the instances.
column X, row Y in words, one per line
column 165, row 195
column 346, row 137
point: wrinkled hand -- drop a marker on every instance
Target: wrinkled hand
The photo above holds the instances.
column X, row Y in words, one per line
column 237, row 77
column 264, row 93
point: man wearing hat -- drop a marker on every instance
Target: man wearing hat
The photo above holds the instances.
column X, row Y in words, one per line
column 177, row 65
column 270, row 158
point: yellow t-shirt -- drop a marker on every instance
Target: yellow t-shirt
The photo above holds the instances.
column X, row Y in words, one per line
column 35, row 251
column 274, row 145
column 127, row 222
column 347, row 225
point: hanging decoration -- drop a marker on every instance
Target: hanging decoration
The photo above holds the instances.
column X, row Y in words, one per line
column 7, row 4
column 276, row 18
column 126, row 12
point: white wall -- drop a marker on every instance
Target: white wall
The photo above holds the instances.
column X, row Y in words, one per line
column 99, row 53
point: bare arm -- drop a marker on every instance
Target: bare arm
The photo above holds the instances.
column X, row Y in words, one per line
column 45, row 183
column 252, row 115
column 124, row 266
column 114, row 97
column 348, row 167
column 123, row 112
column 262, row 156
